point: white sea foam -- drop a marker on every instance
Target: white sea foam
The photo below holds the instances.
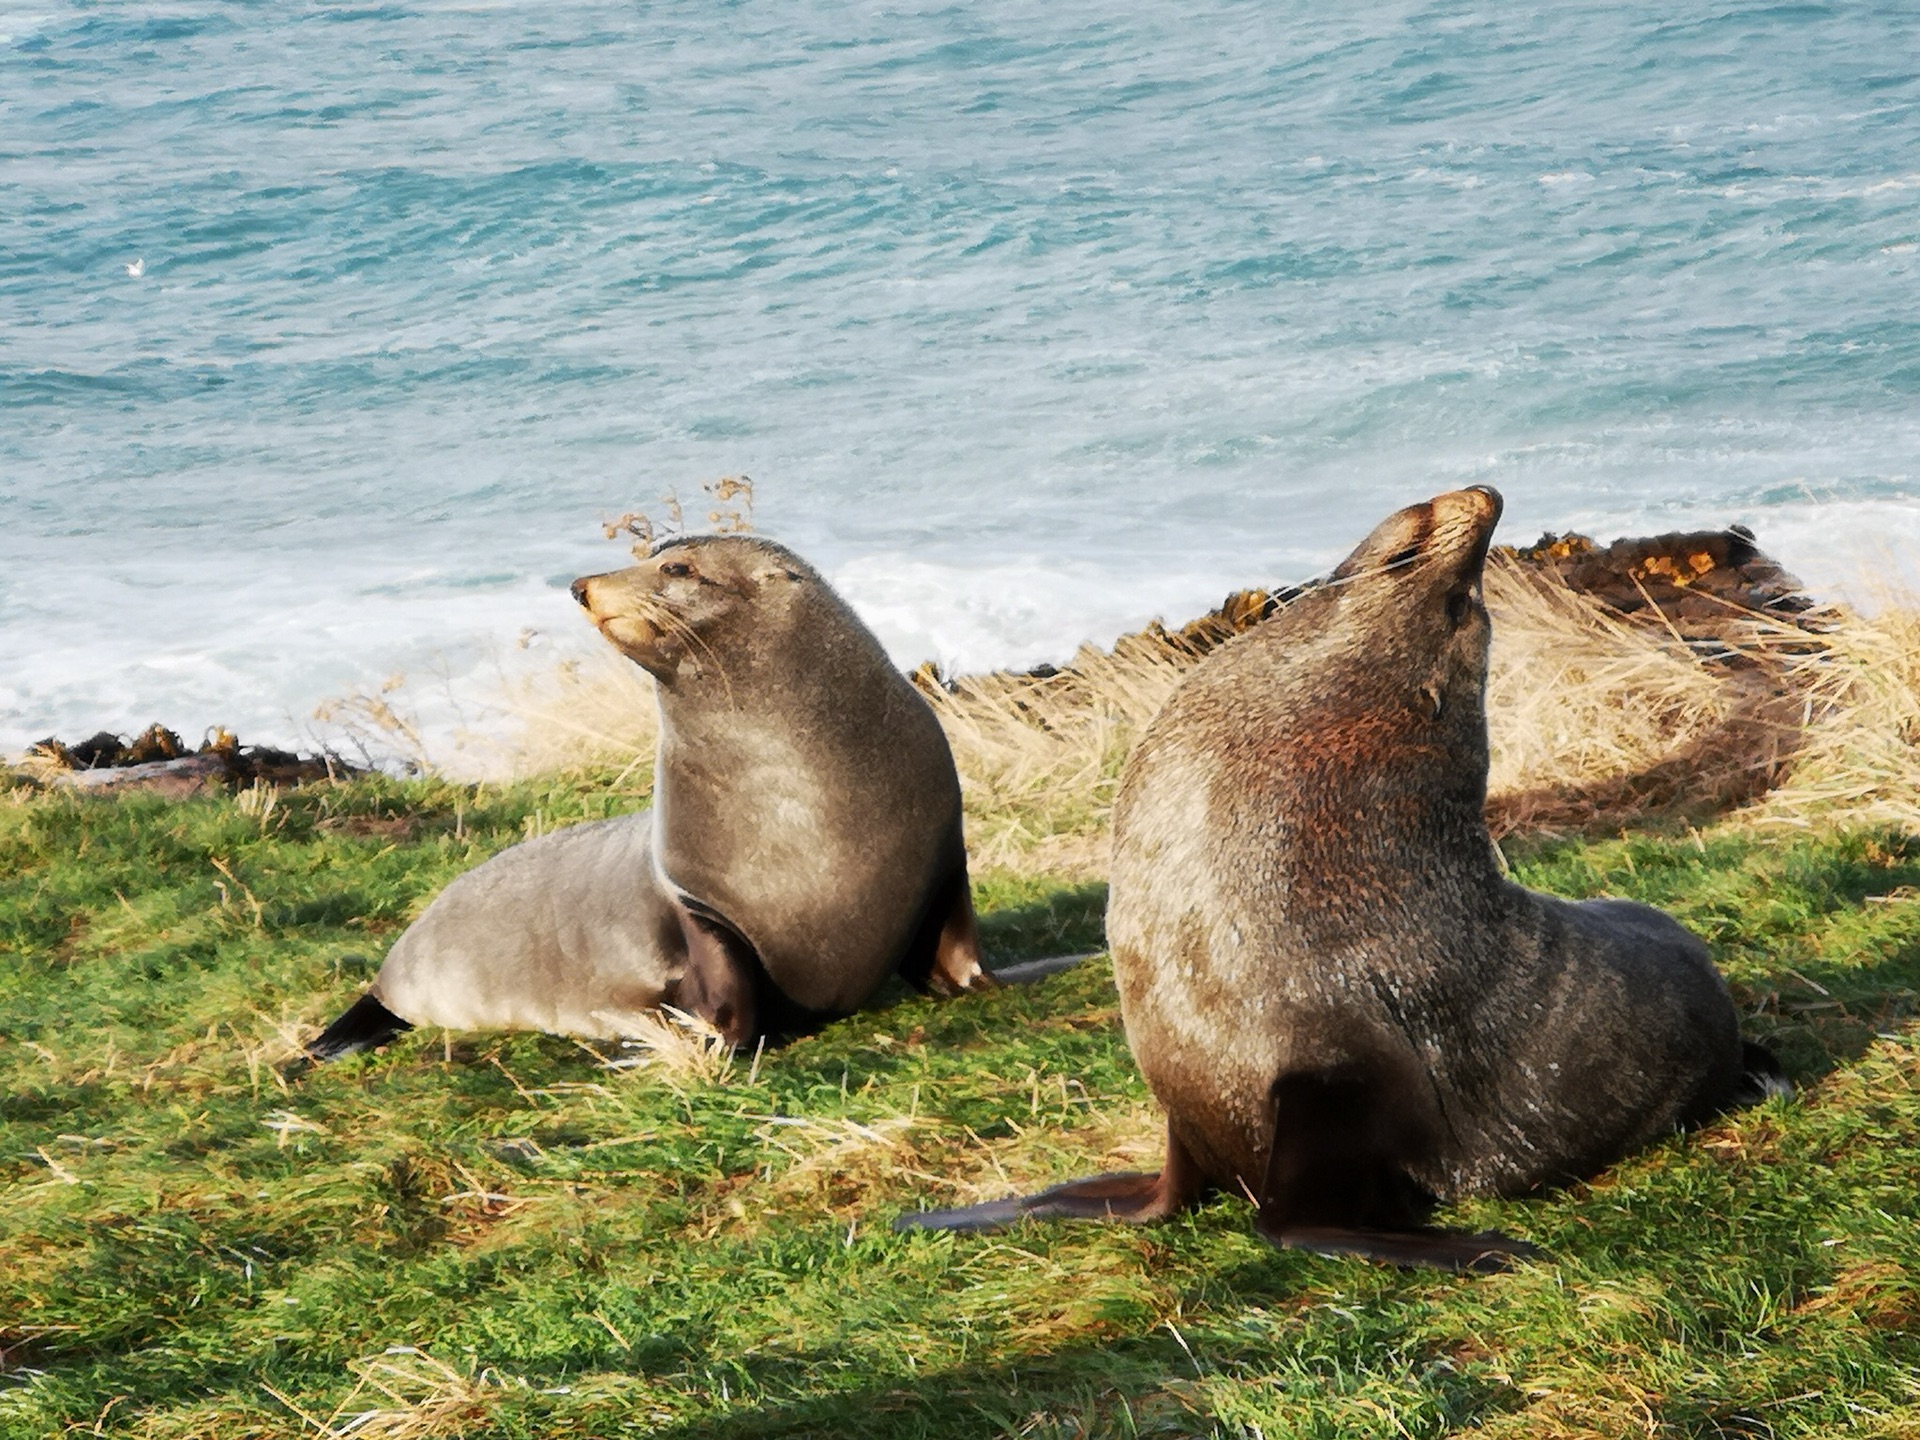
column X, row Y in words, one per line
column 1863, row 552
column 992, row 614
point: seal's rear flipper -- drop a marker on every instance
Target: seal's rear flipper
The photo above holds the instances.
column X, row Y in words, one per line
column 1025, row 972
column 1133, row 1197
column 956, row 958
column 1762, row 1077
column 367, row 1025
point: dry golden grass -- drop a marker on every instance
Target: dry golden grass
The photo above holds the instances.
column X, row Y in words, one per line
column 406, row 1394
column 1040, row 755
column 840, row 1166
column 674, row 1045
column 1595, row 720
column 596, row 711
column 1577, row 693
column 1859, row 715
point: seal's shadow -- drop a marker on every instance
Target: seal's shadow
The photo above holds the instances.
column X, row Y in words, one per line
column 1061, row 920
column 1733, row 764
column 1819, row 1016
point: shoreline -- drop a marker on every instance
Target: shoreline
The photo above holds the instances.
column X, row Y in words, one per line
column 1667, row 680
column 160, row 644
column 1694, row 579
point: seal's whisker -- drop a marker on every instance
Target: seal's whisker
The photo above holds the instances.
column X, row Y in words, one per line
column 671, row 622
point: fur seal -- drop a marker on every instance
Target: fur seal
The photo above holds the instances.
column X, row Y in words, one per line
column 571, row 933
column 1345, row 1008
column 804, row 842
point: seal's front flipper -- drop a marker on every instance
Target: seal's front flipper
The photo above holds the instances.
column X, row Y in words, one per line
column 956, row 955
column 1337, row 1181
column 1762, row 1077
column 719, row 983
column 366, row 1025
column 1133, row 1197
column 945, row 954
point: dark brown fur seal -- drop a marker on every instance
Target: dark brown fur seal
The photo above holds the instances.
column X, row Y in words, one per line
column 804, row 842
column 1345, row 1008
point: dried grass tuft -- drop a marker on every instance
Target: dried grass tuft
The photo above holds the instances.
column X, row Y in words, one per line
column 1597, row 721
column 592, row 713
column 1859, row 714
column 415, row 1397
column 675, row 1044
column 1040, row 755
column 844, row 1165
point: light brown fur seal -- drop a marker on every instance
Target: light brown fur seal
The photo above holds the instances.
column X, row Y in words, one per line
column 571, row 934
column 1346, row 1009
column 804, row 843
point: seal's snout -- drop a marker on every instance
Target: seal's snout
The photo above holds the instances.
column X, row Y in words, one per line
column 1465, row 518
column 579, row 590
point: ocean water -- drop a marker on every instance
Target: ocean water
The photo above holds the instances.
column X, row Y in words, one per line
column 330, row 333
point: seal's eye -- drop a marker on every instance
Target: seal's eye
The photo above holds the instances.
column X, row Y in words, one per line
column 1402, row 557
column 676, row 569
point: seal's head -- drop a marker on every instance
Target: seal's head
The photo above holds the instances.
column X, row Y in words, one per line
column 1413, row 587
column 697, row 598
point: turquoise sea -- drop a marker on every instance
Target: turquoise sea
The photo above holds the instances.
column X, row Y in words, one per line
column 330, row 332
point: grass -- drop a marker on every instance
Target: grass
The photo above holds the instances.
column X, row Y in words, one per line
column 522, row 1236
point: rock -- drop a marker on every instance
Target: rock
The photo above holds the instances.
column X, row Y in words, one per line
column 182, row 776
column 157, row 760
column 1701, row 584
column 1704, row 585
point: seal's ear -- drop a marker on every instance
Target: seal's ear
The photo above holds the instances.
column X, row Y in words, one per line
column 776, row 572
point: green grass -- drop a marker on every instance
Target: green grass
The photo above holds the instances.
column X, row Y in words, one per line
column 192, row 1244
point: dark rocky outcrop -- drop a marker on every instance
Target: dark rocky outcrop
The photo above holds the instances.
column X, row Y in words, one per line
column 157, row 760
column 1704, row 585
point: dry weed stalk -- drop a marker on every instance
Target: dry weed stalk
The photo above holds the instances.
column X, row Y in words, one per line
column 374, row 724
